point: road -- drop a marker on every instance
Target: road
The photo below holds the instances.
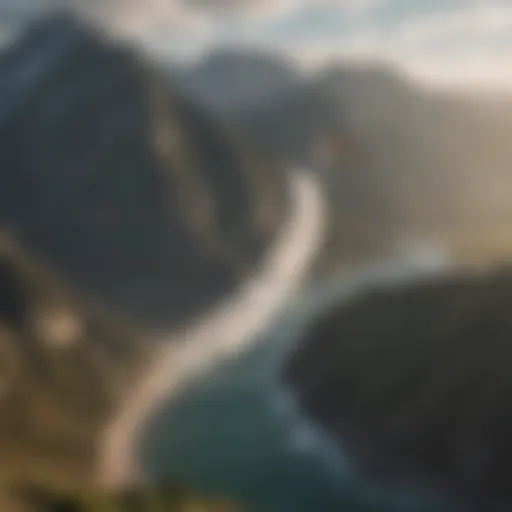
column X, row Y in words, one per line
column 231, row 327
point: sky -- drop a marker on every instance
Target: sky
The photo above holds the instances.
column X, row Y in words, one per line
column 442, row 41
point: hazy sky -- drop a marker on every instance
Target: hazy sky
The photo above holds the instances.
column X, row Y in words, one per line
column 444, row 40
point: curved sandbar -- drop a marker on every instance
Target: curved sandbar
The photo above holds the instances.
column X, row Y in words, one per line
column 227, row 329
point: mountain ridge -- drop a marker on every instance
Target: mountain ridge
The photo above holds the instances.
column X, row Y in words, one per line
column 398, row 160
column 127, row 211
column 167, row 153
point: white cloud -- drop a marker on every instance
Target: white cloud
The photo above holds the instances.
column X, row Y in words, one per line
column 242, row 7
column 480, row 22
column 270, row 9
column 141, row 18
column 464, row 47
column 471, row 44
column 489, row 73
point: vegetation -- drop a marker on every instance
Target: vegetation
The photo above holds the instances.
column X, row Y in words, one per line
column 119, row 200
column 64, row 365
column 36, row 498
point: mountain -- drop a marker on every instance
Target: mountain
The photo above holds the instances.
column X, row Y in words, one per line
column 398, row 160
column 124, row 209
column 229, row 81
column 412, row 382
column 120, row 184
column 64, row 366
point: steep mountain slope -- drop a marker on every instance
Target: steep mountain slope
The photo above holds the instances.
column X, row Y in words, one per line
column 413, row 384
column 119, row 184
column 426, row 153
column 229, row 81
column 64, row 365
column 418, row 159
column 398, row 160
column 122, row 204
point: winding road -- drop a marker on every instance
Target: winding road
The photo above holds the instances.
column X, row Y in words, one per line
column 228, row 329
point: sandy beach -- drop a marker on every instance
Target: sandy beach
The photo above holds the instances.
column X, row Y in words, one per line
column 229, row 328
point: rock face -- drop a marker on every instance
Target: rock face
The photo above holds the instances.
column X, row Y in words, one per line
column 120, row 185
column 414, row 384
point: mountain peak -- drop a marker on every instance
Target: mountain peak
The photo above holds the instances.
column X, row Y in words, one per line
column 119, row 183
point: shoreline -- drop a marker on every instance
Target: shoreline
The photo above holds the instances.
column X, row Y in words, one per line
column 224, row 331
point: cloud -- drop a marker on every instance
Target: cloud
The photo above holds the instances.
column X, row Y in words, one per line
column 445, row 40
column 241, row 6
column 468, row 46
column 187, row 17
column 477, row 25
column 453, row 45
column 265, row 10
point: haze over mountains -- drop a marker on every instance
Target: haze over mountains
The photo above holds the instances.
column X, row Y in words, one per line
column 231, row 80
column 124, row 195
column 413, row 161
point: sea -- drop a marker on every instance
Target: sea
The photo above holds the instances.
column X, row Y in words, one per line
column 238, row 432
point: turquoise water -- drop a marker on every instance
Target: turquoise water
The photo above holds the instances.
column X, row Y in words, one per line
column 226, row 435
column 236, row 433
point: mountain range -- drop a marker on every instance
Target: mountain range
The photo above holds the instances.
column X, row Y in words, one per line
column 122, row 185
column 398, row 160
column 132, row 200
column 125, row 210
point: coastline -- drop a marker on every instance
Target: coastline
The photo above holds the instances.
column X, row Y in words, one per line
column 223, row 332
